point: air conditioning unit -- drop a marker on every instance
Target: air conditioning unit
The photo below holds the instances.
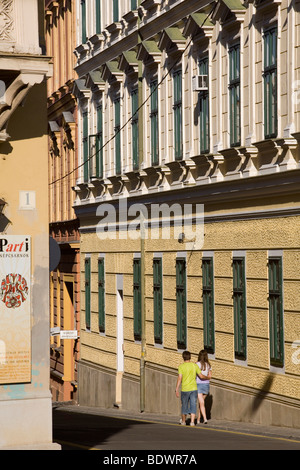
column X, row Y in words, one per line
column 200, row 82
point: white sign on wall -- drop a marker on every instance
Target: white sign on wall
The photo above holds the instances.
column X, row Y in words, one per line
column 68, row 334
column 15, row 309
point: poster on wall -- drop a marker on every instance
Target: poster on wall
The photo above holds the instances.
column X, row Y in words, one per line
column 15, row 309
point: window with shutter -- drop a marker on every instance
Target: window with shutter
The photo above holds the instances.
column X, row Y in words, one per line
column 181, row 302
column 208, row 304
column 276, row 312
column 239, row 308
column 204, row 110
column 137, row 300
column 177, row 106
column 135, row 129
column 99, row 143
column 154, row 123
column 234, row 95
column 98, row 16
column 116, row 11
column 158, row 300
column 270, row 83
column 88, row 292
column 101, row 294
column 85, row 142
column 83, row 22
column 117, row 136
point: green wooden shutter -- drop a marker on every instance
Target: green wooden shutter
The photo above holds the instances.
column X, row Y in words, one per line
column 135, row 129
column 98, row 16
column 117, row 137
column 270, row 83
column 83, row 21
column 157, row 300
column 87, row 292
column 204, row 110
column 208, row 304
column 137, row 301
column 239, row 307
column 115, row 11
column 101, row 294
column 181, row 302
column 177, row 79
column 99, row 144
column 234, row 96
column 85, row 143
column 154, row 123
column 276, row 312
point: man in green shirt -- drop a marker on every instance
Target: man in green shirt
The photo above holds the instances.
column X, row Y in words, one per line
column 187, row 373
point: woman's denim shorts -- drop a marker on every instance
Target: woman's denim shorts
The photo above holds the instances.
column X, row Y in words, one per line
column 203, row 388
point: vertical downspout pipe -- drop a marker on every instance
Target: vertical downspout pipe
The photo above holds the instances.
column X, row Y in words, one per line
column 142, row 233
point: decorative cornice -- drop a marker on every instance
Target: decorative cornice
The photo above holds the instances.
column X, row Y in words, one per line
column 229, row 9
column 148, row 51
column 198, row 25
column 172, row 40
column 94, row 81
column 16, row 92
column 128, row 62
column 111, row 71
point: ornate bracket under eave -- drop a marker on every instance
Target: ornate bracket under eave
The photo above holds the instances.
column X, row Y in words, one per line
column 80, row 89
column 54, row 132
column 111, row 72
column 198, row 26
column 182, row 172
column 94, row 81
column 128, row 62
column 68, row 124
column 14, row 95
column 148, row 52
column 150, row 5
column 227, row 10
column 172, row 40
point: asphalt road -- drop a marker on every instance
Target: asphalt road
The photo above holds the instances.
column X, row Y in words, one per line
column 76, row 428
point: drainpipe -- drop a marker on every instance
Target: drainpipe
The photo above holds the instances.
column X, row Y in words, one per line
column 142, row 233
column 143, row 318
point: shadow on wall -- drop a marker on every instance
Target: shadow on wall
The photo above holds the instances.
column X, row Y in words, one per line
column 208, row 405
column 29, row 120
column 258, row 400
column 262, row 393
column 4, row 223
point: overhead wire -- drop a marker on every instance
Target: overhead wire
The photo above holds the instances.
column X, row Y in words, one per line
column 137, row 110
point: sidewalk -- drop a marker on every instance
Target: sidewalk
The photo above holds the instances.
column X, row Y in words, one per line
column 229, row 426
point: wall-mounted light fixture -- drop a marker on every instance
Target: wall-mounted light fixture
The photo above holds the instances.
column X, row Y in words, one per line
column 183, row 239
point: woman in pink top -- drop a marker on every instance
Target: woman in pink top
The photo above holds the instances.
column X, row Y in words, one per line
column 203, row 385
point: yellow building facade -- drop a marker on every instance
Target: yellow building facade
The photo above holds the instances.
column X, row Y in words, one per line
column 188, row 202
column 25, row 399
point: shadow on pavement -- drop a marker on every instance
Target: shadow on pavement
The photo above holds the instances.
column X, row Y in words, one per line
column 85, row 430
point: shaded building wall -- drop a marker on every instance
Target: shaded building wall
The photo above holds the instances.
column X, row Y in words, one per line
column 62, row 114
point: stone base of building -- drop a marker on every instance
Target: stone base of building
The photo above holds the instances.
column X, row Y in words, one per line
column 27, row 424
column 98, row 387
column 44, row 446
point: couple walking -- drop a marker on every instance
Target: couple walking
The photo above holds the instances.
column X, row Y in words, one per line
column 194, row 380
